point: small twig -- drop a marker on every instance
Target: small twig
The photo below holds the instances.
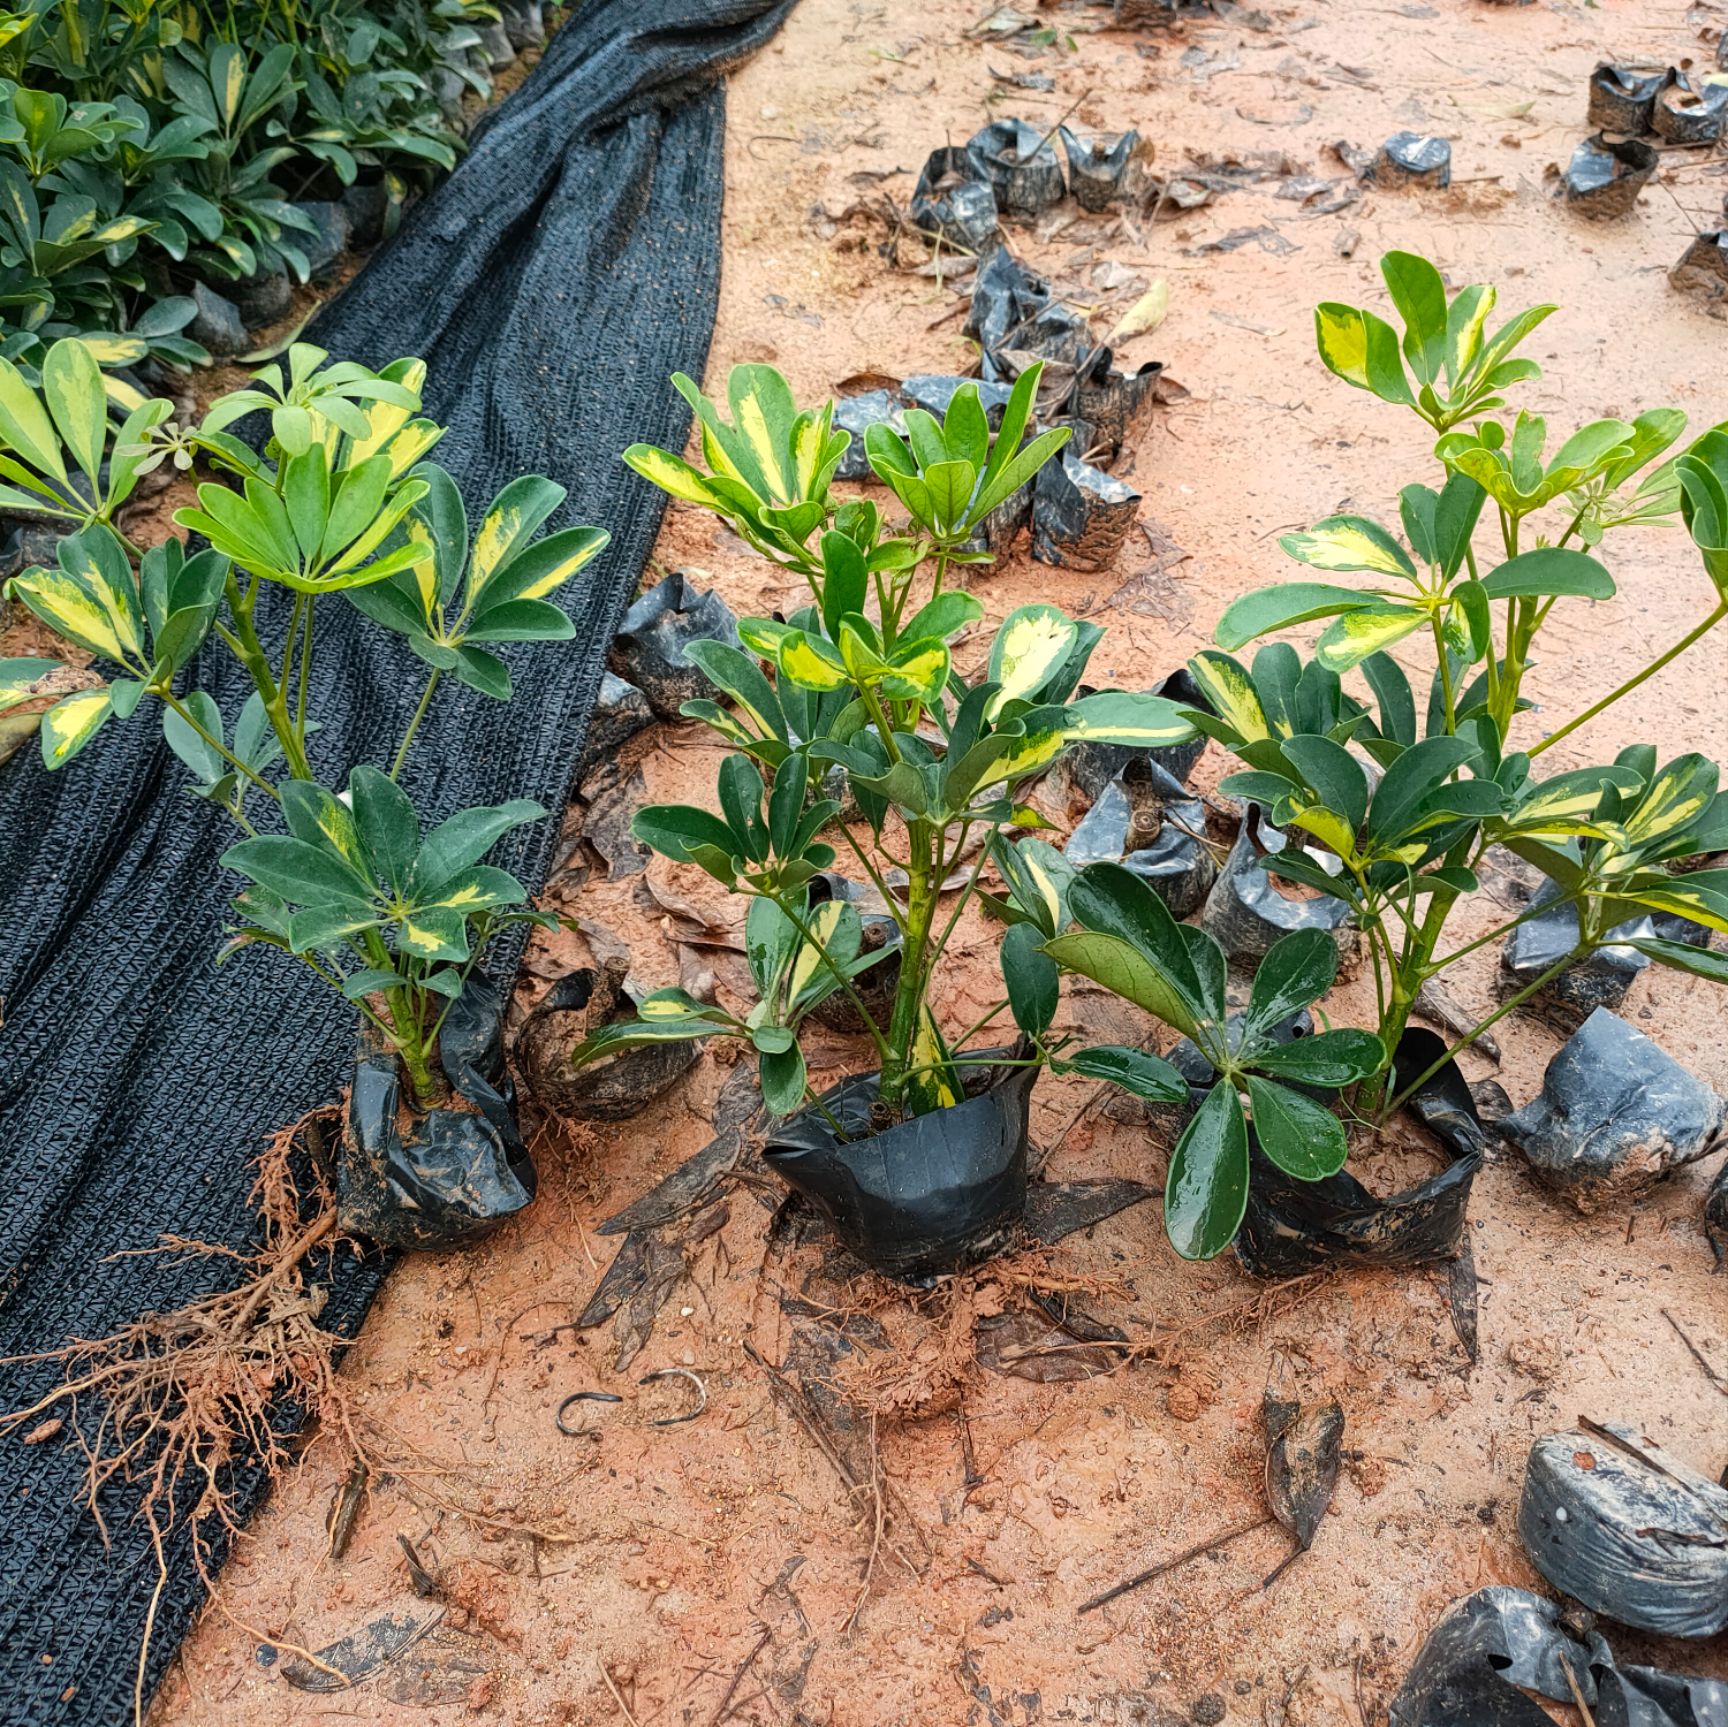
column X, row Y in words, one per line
column 625, row 1707
column 1211, row 1545
column 744, row 1666
column 1577, row 1695
column 1697, row 1354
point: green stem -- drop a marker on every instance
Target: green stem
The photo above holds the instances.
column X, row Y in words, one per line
column 173, row 702
column 1506, row 1007
column 305, row 670
column 1435, row 966
column 914, row 968
column 414, row 723
column 1631, row 684
column 1445, row 659
column 243, row 639
column 977, row 1026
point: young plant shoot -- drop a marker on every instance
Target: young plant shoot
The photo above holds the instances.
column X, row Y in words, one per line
column 340, row 503
column 1398, row 790
column 861, row 744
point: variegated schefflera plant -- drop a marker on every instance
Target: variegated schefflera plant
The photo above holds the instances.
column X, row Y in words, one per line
column 858, row 741
column 339, row 504
column 1398, row 790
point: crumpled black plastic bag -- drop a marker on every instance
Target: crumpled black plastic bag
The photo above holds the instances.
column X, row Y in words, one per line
column 931, row 1195
column 1493, row 1646
column 452, row 1177
column 1631, row 1531
column 1292, row 1226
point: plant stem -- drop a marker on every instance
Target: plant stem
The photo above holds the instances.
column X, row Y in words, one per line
column 245, row 643
column 174, row 703
column 1631, row 684
column 414, row 723
column 914, row 967
column 1492, row 1020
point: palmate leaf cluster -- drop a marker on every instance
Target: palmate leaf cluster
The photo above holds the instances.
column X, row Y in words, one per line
column 153, row 141
column 340, row 504
column 1402, row 789
column 1396, row 787
column 862, row 701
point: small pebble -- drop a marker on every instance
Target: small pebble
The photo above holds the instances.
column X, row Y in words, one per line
column 1208, row 1711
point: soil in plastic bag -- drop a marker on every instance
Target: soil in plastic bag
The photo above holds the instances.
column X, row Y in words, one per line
column 613, row 1089
column 1615, row 1114
column 1494, row 1646
column 1292, row 1226
column 930, row 1195
column 1632, row 1532
column 1145, row 820
column 447, row 1176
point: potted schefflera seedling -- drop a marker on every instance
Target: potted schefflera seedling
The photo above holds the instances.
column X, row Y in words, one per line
column 337, row 508
column 1399, row 791
column 860, row 745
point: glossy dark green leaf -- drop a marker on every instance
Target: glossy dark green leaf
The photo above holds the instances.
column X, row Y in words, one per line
column 1206, row 1191
column 1298, row 969
column 1114, row 901
column 783, row 1080
column 1135, row 1070
column 1031, row 978
column 1328, row 1058
column 1302, row 1138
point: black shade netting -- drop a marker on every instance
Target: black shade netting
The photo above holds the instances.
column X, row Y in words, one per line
column 552, row 283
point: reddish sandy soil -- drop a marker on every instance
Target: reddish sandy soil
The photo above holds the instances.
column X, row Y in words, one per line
column 719, row 1570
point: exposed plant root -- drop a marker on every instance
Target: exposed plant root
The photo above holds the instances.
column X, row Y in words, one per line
column 178, row 1403
column 184, row 1399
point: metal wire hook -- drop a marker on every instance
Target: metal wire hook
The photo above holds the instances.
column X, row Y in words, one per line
column 678, row 1373
column 582, row 1397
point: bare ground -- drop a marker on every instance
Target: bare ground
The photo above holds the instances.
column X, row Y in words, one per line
column 721, row 1570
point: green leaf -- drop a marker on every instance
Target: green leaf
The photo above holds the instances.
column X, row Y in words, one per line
column 1302, row 1138
column 1206, row 1191
column 1031, row 978
column 384, row 819
column 466, row 837
column 1278, row 608
column 942, row 619
column 1328, row 1058
column 1362, row 350
column 1336, row 778
column 1135, row 1070
column 301, row 873
column 1350, row 543
column 1682, row 956
column 1419, row 771
column 1298, row 969
column 1549, row 570
column 674, row 830
column 1420, row 296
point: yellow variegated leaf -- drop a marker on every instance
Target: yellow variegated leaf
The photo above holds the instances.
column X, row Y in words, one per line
column 114, row 350
column 800, row 660
column 1343, row 342
column 1677, row 796
column 410, row 445
column 916, row 675
column 822, row 925
column 1230, row 694
column 1030, row 754
column 1030, row 646
column 561, row 572
column 807, row 451
column 1349, row 640
column 672, row 474
column 753, row 424
column 934, row 1086
column 1349, row 543
column 423, row 941
column 1046, row 884
column 75, row 609
column 1331, row 830
column 70, row 724
column 424, row 569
